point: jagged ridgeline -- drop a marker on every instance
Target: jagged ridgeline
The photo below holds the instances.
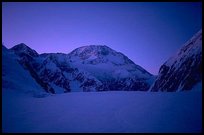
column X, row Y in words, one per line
column 183, row 71
column 87, row 68
column 100, row 68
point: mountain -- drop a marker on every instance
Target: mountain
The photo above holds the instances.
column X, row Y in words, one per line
column 113, row 69
column 183, row 71
column 24, row 49
column 87, row 68
column 15, row 77
column 95, row 58
column 56, row 70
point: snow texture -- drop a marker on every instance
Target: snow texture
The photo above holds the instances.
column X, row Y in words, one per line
column 103, row 112
column 184, row 69
column 15, row 77
column 87, row 68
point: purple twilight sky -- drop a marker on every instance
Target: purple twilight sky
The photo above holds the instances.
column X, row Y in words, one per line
column 148, row 33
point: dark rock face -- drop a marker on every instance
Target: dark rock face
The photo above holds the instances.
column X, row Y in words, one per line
column 126, row 84
column 29, row 59
column 40, row 81
column 58, row 69
column 118, row 72
column 182, row 71
column 22, row 49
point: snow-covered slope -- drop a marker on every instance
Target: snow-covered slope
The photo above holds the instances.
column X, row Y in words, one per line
column 103, row 112
column 88, row 68
column 113, row 69
column 183, row 70
column 27, row 58
column 15, row 77
column 24, row 49
column 111, row 64
column 56, row 68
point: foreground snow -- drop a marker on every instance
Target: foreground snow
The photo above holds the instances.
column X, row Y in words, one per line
column 103, row 112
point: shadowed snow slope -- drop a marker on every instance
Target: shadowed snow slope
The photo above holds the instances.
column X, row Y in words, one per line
column 103, row 112
column 183, row 70
column 15, row 77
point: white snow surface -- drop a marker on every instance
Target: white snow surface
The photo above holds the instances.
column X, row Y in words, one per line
column 102, row 112
column 103, row 62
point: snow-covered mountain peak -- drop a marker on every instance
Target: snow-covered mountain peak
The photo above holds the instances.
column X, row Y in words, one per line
column 105, row 63
column 24, row 49
column 85, row 52
column 87, row 68
column 95, row 54
column 20, row 47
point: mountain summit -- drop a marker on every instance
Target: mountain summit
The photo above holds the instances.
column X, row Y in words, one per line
column 87, row 68
column 24, row 49
column 113, row 69
column 94, row 54
column 100, row 68
column 100, row 58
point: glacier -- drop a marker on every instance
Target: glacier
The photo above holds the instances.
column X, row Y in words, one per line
column 43, row 93
column 103, row 112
